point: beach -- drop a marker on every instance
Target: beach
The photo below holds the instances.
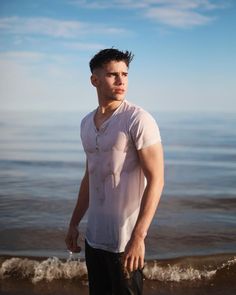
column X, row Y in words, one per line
column 191, row 244
column 188, row 275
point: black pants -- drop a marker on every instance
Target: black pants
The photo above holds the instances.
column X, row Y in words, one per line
column 107, row 276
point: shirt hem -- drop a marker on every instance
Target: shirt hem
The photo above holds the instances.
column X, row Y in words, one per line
column 103, row 247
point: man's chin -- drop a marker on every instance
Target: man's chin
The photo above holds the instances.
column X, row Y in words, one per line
column 118, row 97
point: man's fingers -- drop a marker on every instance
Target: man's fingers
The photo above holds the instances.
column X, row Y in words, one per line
column 68, row 242
column 74, row 243
column 133, row 263
column 141, row 263
column 71, row 240
column 75, row 247
column 129, row 263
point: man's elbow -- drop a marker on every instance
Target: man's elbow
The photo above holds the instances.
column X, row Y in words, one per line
column 156, row 181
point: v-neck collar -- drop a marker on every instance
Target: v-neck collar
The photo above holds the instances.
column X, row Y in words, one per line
column 107, row 121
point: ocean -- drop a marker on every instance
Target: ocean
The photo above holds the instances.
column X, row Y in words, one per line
column 191, row 245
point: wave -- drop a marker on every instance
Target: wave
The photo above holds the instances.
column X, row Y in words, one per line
column 42, row 163
column 196, row 268
column 191, row 268
column 49, row 269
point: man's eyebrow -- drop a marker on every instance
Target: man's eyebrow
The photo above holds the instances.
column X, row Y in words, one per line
column 115, row 73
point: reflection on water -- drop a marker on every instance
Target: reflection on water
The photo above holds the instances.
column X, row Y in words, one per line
column 42, row 162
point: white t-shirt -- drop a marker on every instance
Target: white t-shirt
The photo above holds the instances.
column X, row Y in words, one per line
column 116, row 180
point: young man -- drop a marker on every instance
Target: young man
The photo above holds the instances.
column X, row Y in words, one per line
column 122, row 184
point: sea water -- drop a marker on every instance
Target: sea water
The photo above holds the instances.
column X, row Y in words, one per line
column 193, row 234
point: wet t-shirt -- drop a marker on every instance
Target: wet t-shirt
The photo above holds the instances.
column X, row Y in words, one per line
column 116, row 180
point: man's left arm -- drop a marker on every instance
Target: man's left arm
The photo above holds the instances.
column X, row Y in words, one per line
column 151, row 160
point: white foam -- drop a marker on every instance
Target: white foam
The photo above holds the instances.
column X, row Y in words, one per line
column 175, row 273
column 50, row 269
column 73, row 268
column 17, row 267
column 54, row 268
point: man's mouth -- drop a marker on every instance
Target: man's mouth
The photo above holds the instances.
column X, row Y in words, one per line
column 119, row 91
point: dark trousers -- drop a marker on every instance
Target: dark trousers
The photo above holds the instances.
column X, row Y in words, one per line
column 107, row 276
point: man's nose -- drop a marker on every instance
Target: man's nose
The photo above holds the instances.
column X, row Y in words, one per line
column 119, row 79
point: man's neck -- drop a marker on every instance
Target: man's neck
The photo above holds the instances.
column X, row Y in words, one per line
column 109, row 107
column 104, row 112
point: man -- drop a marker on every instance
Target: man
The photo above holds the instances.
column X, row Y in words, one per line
column 122, row 184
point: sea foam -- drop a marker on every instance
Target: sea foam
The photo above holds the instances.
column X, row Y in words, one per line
column 49, row 269
column 175, row 270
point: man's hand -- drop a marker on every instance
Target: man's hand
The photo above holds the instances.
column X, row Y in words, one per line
column 134, row 254
column 72, row 238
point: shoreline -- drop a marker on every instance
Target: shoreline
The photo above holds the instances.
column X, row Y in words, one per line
column 75, row 287
column 172, row 260
column 196, row 275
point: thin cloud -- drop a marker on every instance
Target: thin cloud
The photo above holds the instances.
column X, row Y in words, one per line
column 34, row 58
column 41, row 26
column 174, row 13
column 53, row 28
column 22, row 56
column 183, row 13
column 105, row 4
column 188, row 4
column 178, row 18
column 84, row 46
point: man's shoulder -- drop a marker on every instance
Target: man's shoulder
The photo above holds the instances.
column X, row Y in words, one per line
column 134, row 109
column 136, row 112
column 88, row 117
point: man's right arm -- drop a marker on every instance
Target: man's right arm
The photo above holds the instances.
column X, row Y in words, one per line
column 78, row 213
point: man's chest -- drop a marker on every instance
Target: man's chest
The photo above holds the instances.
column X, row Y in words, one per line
column 106, row 140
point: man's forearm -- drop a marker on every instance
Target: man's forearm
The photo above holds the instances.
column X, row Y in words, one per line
column 150, row 201
column 135, row 249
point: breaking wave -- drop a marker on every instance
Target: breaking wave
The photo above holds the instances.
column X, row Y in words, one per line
column 214, row 267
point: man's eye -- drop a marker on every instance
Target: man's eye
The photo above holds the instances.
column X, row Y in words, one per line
column 111, row 74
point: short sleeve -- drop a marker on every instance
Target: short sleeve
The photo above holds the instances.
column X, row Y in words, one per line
column 144, row 130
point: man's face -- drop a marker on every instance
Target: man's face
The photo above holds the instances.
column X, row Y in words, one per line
column 111, row 81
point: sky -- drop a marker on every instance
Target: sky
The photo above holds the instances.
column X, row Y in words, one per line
column 184, row 53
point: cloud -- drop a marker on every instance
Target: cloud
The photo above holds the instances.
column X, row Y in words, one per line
column 41, row 26
column 105, row 4
column 34, row 59
column 53, row 27
column 187, row 4
column 22, row 56
column 84, row 46
column 182, row 13
column 28, row 81
column 174, row 13
column 177, row 17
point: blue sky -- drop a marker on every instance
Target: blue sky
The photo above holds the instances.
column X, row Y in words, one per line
column 185, row 52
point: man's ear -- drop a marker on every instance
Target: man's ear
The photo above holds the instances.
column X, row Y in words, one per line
column 94, row 80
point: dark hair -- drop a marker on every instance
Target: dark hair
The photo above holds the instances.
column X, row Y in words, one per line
column 110, row 54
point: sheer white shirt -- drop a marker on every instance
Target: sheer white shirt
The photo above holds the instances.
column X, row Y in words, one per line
column 116, row 179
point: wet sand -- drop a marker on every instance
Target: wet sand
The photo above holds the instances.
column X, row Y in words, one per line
column 18, row 278
column 75, row 287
